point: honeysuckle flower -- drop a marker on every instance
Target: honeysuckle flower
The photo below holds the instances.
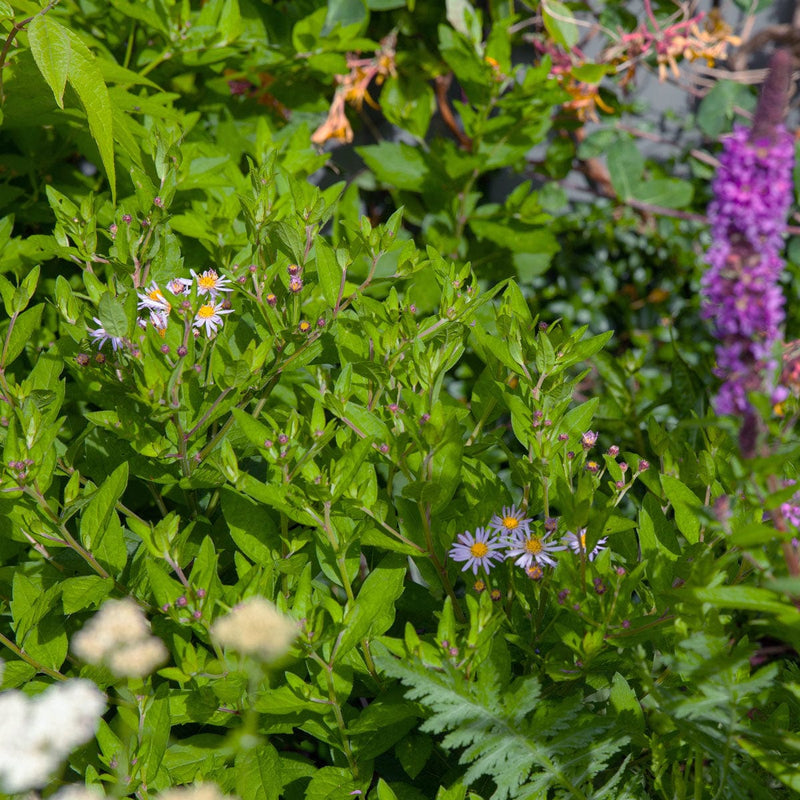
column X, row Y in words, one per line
column 510, row 521
column 256, row 627
column 529, row 549
column 211, row 283
column 209, row 315
column 478, row 550
column 577, row 543
column 179, row 285
column 118, row 635
column 100, row 336
column 153, row 299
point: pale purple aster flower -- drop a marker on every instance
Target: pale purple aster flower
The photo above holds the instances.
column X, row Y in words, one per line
column 529, row 549
column 577, row 543
column 209, row 315
column 477, row 550
column 510, row 521
column 153, row 299
column 178, row 285
column 211, row 283
column 159, row 320
column 100, row 336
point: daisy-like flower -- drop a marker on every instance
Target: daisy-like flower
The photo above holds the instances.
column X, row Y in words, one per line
column 211, row 283
column 179, row 285
column 512, row 520
column 209, row 315
column 477, row 550
column 159, row 320
column 529, row 549
column 153, row 299
column 100, row 336
column 577, row 543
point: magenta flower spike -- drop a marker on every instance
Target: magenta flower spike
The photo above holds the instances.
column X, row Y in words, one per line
column 752, row 194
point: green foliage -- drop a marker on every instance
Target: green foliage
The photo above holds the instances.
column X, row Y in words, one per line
column 239, row 362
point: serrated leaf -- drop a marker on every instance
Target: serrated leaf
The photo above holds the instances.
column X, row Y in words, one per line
column 111, row 314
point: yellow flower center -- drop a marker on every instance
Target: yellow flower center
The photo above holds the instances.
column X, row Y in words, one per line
column 208, row 281
column 478, row 550
column 206, row 311
column 156, row 295
column 533, row 545
column 582, row 538
column 510, row 523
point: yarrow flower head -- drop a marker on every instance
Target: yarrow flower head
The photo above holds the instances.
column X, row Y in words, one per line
column 209, row 315
column 119, row 636
column 477, row 551
column 38, row 733
column 256, row 627
column 100, row 336
column 529, row 549
column 577, row 543
column 510, row 521
column 211, row 283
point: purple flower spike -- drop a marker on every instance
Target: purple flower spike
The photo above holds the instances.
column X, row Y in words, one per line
column 743, row 300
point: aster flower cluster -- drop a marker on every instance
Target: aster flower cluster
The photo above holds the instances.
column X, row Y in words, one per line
column 158, row 305
column 752, row 193
column 510, row 535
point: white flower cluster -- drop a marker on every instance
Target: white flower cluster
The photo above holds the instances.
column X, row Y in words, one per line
column 119, row 636
column 38, row 733
column 256, row 627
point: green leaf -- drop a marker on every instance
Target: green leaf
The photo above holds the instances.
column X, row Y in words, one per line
column 84, row 591
column 251, row 526
column 398, row 164
column 19, row 333
column 111, row 314
column 155, row 731
column 625, row 167
column 258, row 773
column 329, row 272
column 374, row 609
column 665, row 192
column 560, row 23
column 86, row 78
column 344, row 13
column 97, row 514
column 685, row 504
column 590, row 73
column 51, row 49
column 716, row 110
